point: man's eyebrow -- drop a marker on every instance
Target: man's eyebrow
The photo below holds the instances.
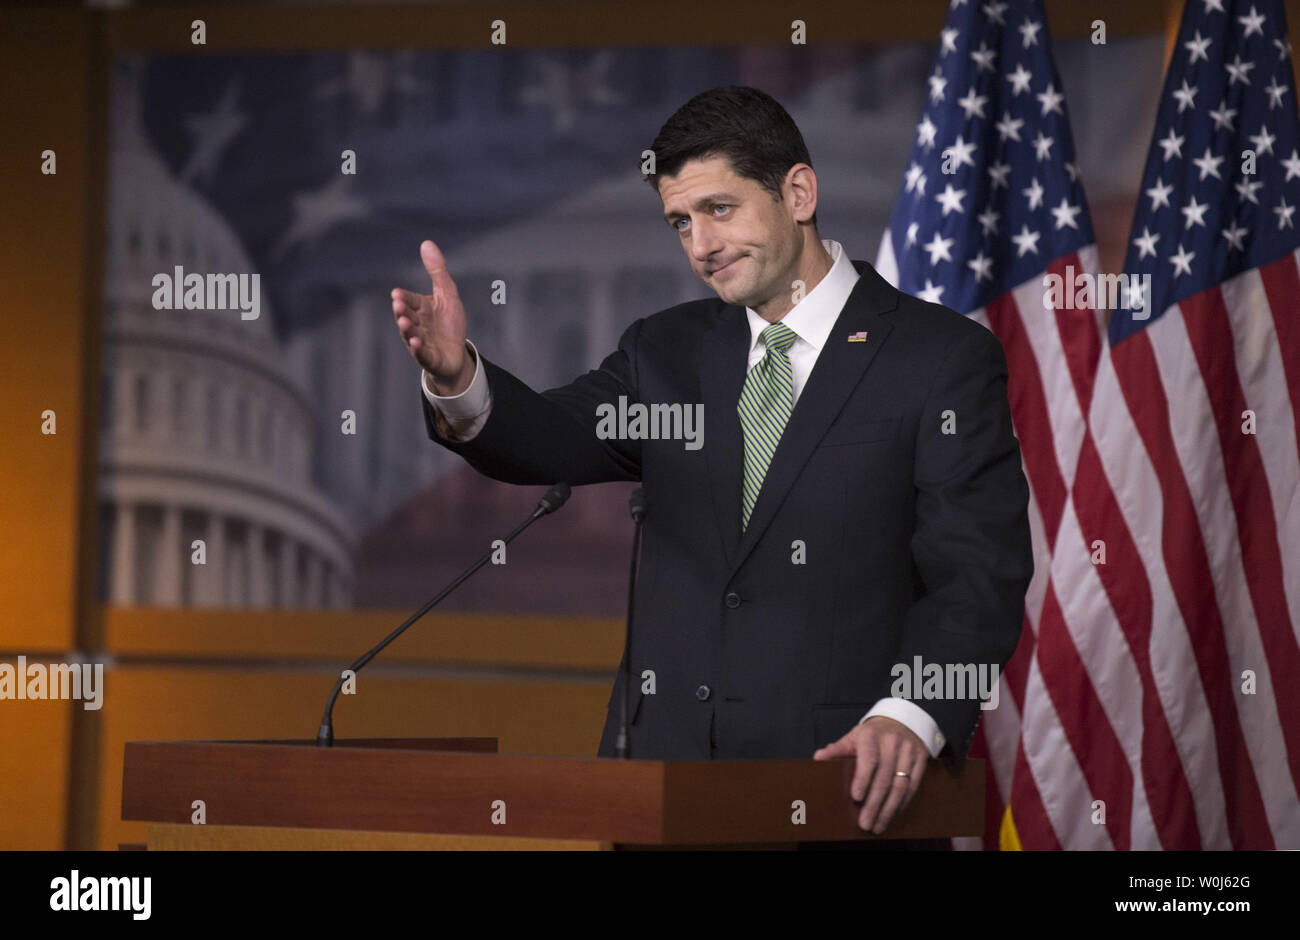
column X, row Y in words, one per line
column 712, row 199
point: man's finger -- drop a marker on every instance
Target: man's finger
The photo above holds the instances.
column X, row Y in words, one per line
column 841, row 748
column 436, row 265
column 917, row 771
column 405, row 302
column 882, row 782
column 899, row 787
column 868, row 755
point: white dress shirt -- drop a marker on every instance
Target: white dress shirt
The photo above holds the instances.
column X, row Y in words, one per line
column 811, row 319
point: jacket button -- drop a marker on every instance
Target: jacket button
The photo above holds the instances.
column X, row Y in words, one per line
column 702, row 693
column 732, row 600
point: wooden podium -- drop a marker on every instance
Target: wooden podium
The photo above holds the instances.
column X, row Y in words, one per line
column 458, row 793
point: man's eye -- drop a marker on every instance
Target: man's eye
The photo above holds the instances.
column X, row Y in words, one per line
column 678, row 224
column 716, row 208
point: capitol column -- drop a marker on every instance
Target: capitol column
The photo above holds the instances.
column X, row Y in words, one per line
column 122, row 589
column 259, row 589
column 167, row 567
column 213, row 577
column 288, row 572
column 313, row 581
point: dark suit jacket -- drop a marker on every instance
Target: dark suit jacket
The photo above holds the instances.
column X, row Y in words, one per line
column 917, row 542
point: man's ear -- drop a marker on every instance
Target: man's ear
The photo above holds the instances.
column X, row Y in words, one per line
column 801, row 190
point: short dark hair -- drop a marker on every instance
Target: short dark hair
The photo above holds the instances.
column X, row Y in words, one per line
column 747, row 126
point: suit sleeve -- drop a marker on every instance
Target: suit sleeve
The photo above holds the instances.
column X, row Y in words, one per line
column 540, row 438
column 971, row 550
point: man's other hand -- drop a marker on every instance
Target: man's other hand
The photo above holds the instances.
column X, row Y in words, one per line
column 882, row 747
column 433, row 326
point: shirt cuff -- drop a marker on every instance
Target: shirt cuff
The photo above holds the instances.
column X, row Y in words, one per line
column 916, row 718
column 466, row 413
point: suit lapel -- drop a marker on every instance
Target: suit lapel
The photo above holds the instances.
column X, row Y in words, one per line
column 724, row 354
column 839, row 367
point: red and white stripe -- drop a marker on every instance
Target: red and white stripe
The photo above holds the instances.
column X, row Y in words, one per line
column 1126, row 692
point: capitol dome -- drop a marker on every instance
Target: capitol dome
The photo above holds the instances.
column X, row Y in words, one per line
column 207, row 432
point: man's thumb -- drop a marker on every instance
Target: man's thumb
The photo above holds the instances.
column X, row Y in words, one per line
column 434, row 263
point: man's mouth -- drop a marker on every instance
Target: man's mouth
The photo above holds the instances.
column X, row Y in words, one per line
column 724, row 267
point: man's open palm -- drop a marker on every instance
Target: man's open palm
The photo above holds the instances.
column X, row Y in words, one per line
column 433, row 325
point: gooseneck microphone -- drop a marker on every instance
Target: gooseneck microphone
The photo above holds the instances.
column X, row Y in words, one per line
column 555, row 498
column 637, row 504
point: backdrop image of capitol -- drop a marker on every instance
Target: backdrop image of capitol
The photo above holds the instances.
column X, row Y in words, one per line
column 229, row 431
column 206, row 429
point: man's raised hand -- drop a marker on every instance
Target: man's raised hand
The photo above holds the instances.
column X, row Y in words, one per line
column 433, row 326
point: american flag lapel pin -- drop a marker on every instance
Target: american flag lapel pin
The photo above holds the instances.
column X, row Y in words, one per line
column 858, row 337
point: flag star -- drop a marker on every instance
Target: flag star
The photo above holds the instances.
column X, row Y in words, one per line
column 1073, row 169
column 973, row 104
column 988, row 220
column 1137, row 297
column 1008, row 127
column 1212, row 5
column 961, row 153
column 1198, row 47
column 998, row 174
column 1292, row 165
column 912, row 229
column 920, row 184
column 1065, row 214
column 1051, row 100
column 1182, row 261
column 1035, row 193
column 1173, row 145
column 913, row 174
column 1234, row 236
column 938, row 248
column 1195, row 212
column 1253, row 22
column 925, row 132
column 1146, row 243
column 1029, row 30
column 1186, row 97
column 951, row 199
column 1043, row 146
column 1222, row 117
column 948, row 38
column 1275, row 93
column 1159, row 195
column 1284, row 213
column 982, row 266
column 1026, row 241
column 937, row 84
column 1263, row 141
column 931, row 293
column 1208, row 165
column 1019, row 79
column 994, row 12
column 1283, row 48
column 1237, row 70
column 984, row 57
column 1246, row 190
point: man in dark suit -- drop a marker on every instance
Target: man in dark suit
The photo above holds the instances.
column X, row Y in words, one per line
column 855, row 505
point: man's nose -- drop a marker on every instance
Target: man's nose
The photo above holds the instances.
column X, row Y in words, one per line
column 704, row 241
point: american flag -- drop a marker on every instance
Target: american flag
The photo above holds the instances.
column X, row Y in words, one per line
column 1139, row 711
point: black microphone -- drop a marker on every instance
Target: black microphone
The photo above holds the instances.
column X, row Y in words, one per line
column 637, row 504
column 555, row 498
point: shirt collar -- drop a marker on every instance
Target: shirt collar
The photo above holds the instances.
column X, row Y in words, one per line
column 813, row 317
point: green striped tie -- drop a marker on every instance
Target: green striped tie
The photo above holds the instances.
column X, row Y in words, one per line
column 765, row 405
